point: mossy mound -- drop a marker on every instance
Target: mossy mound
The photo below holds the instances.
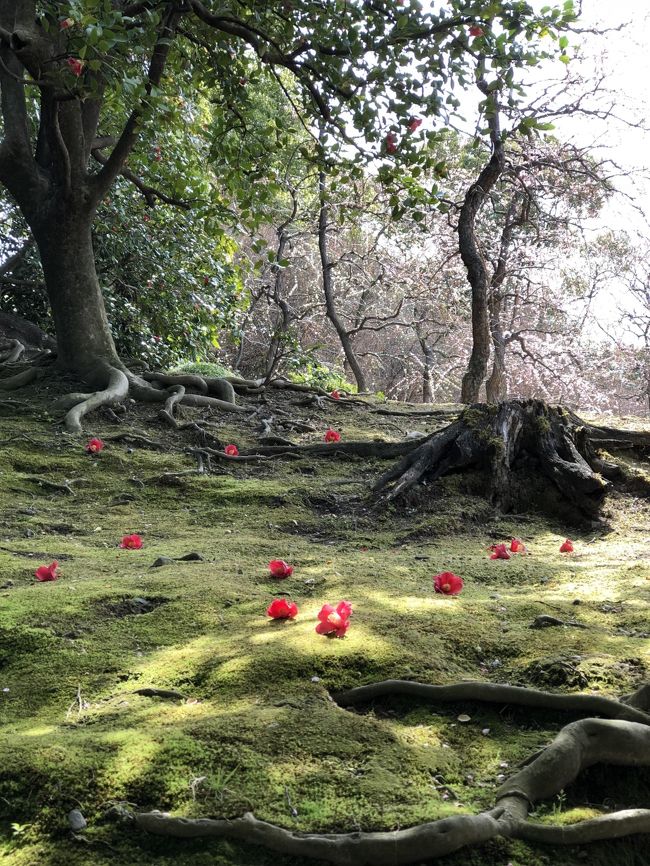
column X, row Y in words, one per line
column 256, row 728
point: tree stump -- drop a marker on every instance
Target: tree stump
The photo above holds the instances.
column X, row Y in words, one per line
column 523, row 445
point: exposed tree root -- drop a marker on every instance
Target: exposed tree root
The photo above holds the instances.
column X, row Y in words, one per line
column 623, row 740
column 518, row 435
column 495, row 693
column 12, row 383
column 116, row 390
column 52, row 485
column 382, row 450
column 14, row 351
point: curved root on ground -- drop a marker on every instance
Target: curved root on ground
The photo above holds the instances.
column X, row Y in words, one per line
column 12, row 352
column 117, row 388
column 12, row 383
column 622, row 740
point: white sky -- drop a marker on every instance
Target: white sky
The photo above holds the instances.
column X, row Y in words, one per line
column 624, row 57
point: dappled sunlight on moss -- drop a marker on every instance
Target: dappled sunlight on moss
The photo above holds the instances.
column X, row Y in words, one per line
column 257, row 724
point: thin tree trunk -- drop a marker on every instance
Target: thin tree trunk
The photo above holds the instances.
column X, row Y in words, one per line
column 473, row 258
column 496, row 387
column 328, row 289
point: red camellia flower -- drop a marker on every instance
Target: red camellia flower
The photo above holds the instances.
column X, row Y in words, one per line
column 76, row 66
column 391, row 143
column 567, row 546
column 66, row 23
column 146, row 218
column 332, row 435
column 231, row 450
column 499, row 552
column 475, row 30
column 414, row 123
column 94, row 445
column 131, row 542
column 517, row 546
column 334, row 621
column 335, row 395
column 447, row 583
column 280, row 568
column 280, row 608
column 47, row 572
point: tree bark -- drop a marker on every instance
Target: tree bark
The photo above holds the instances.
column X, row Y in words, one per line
column 473, row 258
column 328, row 288
column 84, row 337
column 523, row 445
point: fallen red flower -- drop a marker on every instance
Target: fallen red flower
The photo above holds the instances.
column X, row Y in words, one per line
column 447, row 583
column 94, row 445
column 414, row 123
column 499, row 552
column 475, row 30
column 280, row 568
column 231, row 450
column 335, row 395
column 131, row 542
column 334, row 621
column 280, row 608
column 566, row 546
column 76, row 66
column 517, row 546
column 47, row 572
column 332, row 435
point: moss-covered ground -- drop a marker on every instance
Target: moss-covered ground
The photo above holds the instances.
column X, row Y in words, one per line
column 258, row 730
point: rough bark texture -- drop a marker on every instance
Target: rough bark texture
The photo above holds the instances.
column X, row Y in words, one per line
column 473, row 259
column 83, row 334
column 328, row 288
column 514, row 442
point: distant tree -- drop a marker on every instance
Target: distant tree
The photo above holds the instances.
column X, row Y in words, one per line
column 85, row 84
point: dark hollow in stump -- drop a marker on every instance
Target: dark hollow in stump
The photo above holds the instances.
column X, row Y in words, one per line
column 522, row 444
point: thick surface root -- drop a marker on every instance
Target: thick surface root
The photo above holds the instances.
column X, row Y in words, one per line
column 25, row 377
column 116, row 390
column 623, row 740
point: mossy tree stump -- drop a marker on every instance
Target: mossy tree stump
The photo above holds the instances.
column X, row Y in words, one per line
column 514, row 441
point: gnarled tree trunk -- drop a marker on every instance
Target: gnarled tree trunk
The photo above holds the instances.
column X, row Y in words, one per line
column 473, row 258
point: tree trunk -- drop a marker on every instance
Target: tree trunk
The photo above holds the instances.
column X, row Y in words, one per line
column 84, row 338
column 328, row 289
column 473, row 258
column 496, row 387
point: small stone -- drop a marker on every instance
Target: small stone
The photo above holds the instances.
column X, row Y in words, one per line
column 315, row 679
column 191, row 557
column 485, row 732
column 464, row 718
column 76, row 821
column 162, row 560
column 576, row 601
column 501, row 778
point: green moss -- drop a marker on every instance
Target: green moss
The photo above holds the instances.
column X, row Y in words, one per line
column 258, row 729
